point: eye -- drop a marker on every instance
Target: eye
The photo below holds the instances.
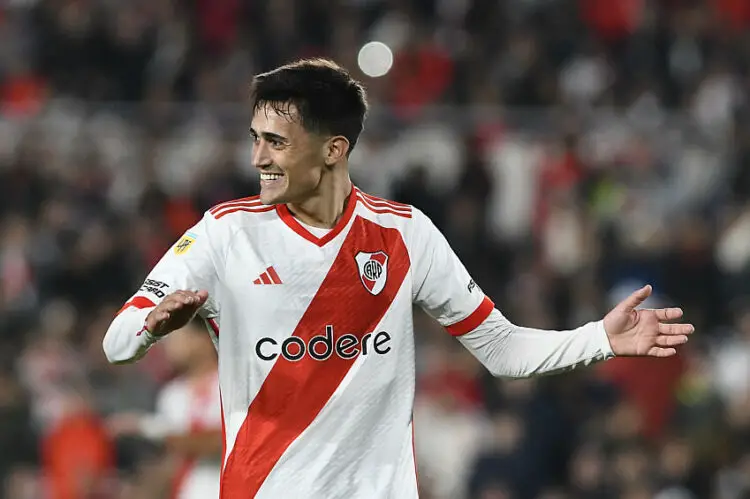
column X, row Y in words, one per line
column 275, row 143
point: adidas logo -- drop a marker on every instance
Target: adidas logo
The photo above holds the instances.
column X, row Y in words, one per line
column 268, row 277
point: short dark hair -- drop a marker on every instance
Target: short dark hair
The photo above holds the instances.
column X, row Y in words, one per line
column 327, row 98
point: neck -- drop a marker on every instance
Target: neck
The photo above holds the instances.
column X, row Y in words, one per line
column 326, row 206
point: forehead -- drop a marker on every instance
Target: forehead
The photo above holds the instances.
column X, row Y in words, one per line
column 282, row 120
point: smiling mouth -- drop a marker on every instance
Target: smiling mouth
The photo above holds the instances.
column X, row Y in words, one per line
column 269, row 177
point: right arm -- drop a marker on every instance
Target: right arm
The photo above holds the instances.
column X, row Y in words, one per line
column 189, row 265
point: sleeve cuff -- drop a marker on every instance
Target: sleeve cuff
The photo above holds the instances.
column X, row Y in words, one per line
column 603, row 340
column 473, row 320
column 143, row 334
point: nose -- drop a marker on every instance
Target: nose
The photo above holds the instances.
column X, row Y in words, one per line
column 261, row 154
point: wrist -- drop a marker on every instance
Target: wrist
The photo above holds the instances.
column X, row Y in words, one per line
column 148, row 331
column 154, row 328
column 608, row 342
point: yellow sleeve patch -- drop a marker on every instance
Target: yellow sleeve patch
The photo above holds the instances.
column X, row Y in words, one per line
column 183, row 245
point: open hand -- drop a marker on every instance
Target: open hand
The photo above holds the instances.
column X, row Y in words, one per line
column 175, row 311
column 645, row 331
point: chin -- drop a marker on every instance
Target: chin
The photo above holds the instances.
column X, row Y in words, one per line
column 270, row 198
column 276, row 194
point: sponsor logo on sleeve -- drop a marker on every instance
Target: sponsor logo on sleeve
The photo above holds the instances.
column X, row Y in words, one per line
column 156, row 288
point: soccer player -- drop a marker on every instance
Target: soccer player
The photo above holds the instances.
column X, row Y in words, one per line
column 187, row 421
column 307, row 291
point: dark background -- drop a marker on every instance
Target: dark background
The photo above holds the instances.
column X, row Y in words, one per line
column 570, row 150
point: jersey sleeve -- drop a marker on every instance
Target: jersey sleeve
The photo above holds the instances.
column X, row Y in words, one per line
column 442, row 285
column 443, row 288
column 190, row 264
column 507, row 350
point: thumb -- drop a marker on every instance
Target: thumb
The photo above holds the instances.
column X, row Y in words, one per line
column 636, row 298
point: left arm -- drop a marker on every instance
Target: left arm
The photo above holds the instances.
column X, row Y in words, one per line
column 445, row 290
column 509, row 350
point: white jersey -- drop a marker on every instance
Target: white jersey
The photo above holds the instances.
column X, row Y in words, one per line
column 185, row 407
column 316, row 344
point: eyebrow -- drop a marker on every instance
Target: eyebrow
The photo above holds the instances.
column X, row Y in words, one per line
column 269, row 136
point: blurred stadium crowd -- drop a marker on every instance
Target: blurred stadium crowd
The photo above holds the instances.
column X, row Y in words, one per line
column 570, row 150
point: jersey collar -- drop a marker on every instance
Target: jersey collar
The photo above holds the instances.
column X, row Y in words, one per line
column 287, row 217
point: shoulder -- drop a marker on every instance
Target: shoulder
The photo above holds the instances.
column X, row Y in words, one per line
column 250, row 205
column 379, row 206
column 238, row 212
column 408, row 219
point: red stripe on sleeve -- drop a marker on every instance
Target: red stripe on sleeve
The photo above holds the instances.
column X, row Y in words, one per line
column 137, row 302
column 473, row 320
column 294, row 393
column 249, row 201
column 214, row 326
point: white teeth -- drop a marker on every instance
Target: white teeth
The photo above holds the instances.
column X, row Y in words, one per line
column 270, row 176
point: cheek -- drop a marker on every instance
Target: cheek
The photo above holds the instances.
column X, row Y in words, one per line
column 304, row 172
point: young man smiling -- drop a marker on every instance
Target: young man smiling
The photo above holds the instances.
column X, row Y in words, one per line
column 308, row 291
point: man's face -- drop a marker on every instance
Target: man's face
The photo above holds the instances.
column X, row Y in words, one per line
column 290, row 159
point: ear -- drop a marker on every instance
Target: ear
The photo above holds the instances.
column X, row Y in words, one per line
column 336, row 149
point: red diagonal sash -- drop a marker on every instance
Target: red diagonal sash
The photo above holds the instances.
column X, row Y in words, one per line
column 294, row 393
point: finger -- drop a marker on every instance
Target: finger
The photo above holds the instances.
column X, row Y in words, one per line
column 184, row 297
column 636, row 298
column 671, row 341
column 156, row 319
column 173, row 305
column 202, row 296
column 671, row 329
column 193, row 298
column 169, row 301
column 197, row 299
column 668, row 314
column 661, row 352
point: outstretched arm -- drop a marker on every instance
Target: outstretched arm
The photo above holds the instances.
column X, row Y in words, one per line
column 445, row 290
column 515, row 351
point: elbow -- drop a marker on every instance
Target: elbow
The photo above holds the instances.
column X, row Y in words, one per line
column 498, row 373
column 511, row 371
column 109, row 352
column 113, row 354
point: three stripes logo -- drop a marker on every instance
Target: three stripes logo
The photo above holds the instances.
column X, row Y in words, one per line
column 268, row 277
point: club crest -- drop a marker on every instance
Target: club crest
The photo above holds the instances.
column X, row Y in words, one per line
column 373, row 270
